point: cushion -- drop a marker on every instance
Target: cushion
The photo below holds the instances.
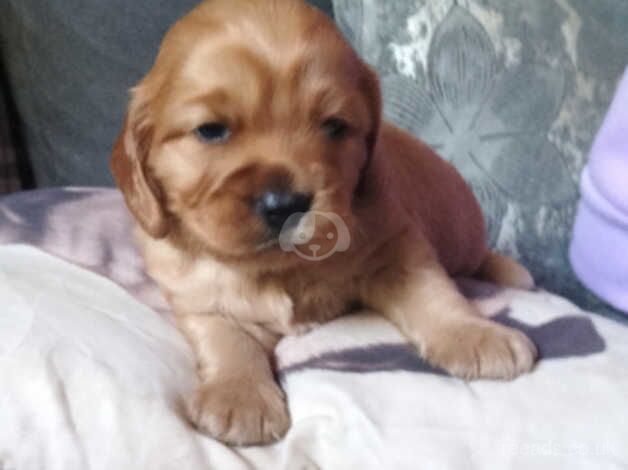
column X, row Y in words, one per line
column 94, row 372
column 512, row 93
column 70, row 64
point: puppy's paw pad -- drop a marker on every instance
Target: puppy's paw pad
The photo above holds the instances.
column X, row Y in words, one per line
column 240, row 412
column 482, row 350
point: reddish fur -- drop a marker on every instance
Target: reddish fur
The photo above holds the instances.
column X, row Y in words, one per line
column 413, row 220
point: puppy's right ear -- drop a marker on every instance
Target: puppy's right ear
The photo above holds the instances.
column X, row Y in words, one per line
column 128, row 165
column 371, row 88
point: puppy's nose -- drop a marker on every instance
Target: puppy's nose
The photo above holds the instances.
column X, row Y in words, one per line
column 275, row 207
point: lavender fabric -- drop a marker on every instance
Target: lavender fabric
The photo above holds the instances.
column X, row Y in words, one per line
column 88, row 227
column 599, row 250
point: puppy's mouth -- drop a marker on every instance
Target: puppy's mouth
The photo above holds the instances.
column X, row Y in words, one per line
column 267, row 245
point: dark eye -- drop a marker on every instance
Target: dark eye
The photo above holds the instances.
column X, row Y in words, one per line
column 213, row 132
column 335, row 128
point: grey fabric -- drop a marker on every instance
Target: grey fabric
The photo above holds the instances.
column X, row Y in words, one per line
column 9, row 175
column 70, row 64
column 512, row 92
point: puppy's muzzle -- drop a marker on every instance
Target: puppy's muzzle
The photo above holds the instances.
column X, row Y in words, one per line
column 276, row 207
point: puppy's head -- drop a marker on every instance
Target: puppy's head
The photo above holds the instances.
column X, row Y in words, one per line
column 253, row 112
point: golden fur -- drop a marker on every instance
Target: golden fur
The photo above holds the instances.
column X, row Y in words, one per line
column 275, row 72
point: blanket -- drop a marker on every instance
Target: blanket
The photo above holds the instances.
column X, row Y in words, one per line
column 93, row 371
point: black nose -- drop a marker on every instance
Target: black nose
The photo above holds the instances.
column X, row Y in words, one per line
column 275, row 207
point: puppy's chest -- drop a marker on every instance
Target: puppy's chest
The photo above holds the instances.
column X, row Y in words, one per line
column 206, row 287
column 284, row 308
column 318, row 302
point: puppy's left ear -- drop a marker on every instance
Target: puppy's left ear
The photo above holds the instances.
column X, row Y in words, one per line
column 372, row 91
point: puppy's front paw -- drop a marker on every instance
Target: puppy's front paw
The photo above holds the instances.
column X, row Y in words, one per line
column 482, row 350
column 240, row 412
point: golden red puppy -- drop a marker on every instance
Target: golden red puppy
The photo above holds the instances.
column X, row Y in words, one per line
column 258, row 122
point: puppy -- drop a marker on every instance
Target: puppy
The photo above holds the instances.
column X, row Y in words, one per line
column 257, row 116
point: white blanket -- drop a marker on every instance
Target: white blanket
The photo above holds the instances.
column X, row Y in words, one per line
column 90, row 378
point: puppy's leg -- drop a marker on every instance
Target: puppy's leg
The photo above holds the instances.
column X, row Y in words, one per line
column 505, row 271
column 238, row 402
column 449, row 333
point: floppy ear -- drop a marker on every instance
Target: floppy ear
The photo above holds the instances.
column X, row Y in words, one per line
column 372, row 91
column 128, row 165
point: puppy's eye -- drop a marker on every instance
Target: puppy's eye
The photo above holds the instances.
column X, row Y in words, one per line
column 213, row 132
column 335, row 128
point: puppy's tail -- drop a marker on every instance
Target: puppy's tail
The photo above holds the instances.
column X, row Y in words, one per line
column 504, row 271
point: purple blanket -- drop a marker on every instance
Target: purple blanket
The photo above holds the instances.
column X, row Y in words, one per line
column 599, row 250
column 87, row 227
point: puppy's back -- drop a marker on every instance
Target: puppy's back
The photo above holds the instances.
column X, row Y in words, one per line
column 436, row 197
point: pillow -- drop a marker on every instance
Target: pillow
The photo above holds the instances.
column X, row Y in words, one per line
column 70, row 64
column 512, row 93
